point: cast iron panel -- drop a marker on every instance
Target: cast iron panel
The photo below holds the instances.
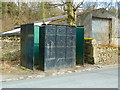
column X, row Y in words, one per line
column 36, row 53
column 50, row 53
column 60, row 53
column 36, row 44
column 71, row 31
column 42, row 57
column 80, row 45
column 49, row 64
column 50, row 30
column 42, row 30
column 54, row 51
column 70, row 62
column 50, row 41
column 61, row 41
column 60, row 63
column 27, row 46
column 70, row 52
column 61, row 31
column 23, row 46
column 71, row 41
column 42, row 40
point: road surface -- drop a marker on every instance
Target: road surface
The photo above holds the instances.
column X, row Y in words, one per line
column 106, row 78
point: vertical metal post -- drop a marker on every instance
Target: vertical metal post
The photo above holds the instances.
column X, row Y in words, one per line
column 80, row 45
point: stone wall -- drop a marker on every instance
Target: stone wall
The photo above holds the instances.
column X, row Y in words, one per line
column 106, row 55
column 94, row 54
column 88, row 51
column 10, row 50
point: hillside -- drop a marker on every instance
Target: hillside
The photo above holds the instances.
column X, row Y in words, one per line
column 15, row 14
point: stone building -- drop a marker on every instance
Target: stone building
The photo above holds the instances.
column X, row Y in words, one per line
column 100, row 25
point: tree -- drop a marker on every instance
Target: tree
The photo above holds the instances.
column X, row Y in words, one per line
column 70, row 7
column 71, row 11
column 118, row 10
column 16, row 13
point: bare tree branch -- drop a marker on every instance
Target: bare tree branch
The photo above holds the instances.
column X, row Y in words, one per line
column 108, row 5
column 79, row 5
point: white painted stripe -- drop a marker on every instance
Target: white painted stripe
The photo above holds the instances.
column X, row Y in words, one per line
column 12, row 31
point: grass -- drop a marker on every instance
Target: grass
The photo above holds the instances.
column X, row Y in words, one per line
column 23, row 68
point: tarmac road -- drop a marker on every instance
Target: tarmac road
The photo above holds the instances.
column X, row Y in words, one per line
column 106, row 78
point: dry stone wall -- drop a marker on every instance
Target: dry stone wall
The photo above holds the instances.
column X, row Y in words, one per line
column 95, row 54
column 106, row 55
column 10, row 50
column 88, row 51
